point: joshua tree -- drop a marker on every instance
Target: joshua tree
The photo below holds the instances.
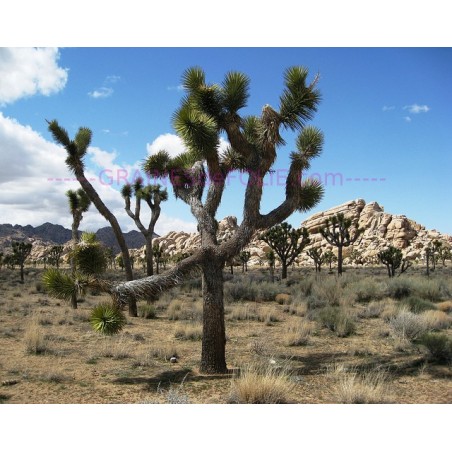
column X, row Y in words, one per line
column 153, row 195
column 340, row 231
column 330, row 257
column 21, row 251
column 54, row 255
column 317, row 256
column 90, row 262
column 287, row 243
column 157, row 251
column 76, row 150
column 207, row 112
column 244, row 257
column 392, row 258
column 79, row 203
column 1, row 260
column 271, row 260
column 356, row 257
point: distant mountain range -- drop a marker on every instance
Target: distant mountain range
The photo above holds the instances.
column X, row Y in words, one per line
column 59, row 235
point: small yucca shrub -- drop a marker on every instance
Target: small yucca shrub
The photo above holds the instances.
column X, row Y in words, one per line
column 107, row 319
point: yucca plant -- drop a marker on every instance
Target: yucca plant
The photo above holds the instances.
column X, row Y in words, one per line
column 107, row 319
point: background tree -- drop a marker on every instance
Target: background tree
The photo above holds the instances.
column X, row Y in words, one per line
column 1, row 260
column 76, row 150
column 244, row 257
column 54, row 255
column 157, row 251
column 153, row 195
column 21, row 251
column 317, row 256
column 340, row 232
column 392, row 258
column 207, row 112
column 287, row 243
column 271, row 260
column 330, row 258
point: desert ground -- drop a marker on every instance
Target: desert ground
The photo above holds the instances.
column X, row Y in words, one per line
column 323, row 339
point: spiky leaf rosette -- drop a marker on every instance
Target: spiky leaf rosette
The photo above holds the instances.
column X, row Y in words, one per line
column 107, row 319
column 59, row 284
column 90, row 255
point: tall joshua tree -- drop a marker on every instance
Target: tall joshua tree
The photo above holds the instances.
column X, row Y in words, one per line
column 287, row 242
column 79, row 203
column 340, row 231
column 153, row 195
column 317, row 256
column 21, row 251
column 207, row 112
column 76, row 150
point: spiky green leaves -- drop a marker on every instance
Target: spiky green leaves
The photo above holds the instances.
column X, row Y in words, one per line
column 107, row 319
column 21, row 250
column 77, row 148
column 89, row 255
column 235, row 91
column 310, row 194
column 61, row 285
column 298, row 102
column 78, row 201
column 126, row 191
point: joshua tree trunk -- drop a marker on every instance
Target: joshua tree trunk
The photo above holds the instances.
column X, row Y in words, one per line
column 214, row 335
column 283, row 270
column 339, row 260
column 149, row 256
column 22, row 273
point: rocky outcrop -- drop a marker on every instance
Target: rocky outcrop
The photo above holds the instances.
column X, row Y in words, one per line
column 381, row 230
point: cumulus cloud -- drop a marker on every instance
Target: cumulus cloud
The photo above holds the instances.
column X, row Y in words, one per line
column 407, row 119
column 25, row 72
column 174, row 146
column 415, row 108
column 34, row 179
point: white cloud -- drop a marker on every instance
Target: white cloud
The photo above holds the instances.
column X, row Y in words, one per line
column 34, row 179
column 167, row 142
column 407, row 119
column 174, row 146
column 101, row 93
column 175, row 88
column 415, row 108
column 110, row 79
column 388, row 108
column 25, row 72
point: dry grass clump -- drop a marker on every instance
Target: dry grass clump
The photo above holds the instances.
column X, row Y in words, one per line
column 445, row 306
column 298, row 333
column 296, row 308
column 437, row 320
column 359, row 387
column 338, row 320
column 407, row 325
column 189, row 332
column 115, row 348
column 35, row 339
column 164, row 352
column 174, row 309
column 262, row 383
column 242, row 312
column 374, row 309
column 283, row 298
column 267, row 315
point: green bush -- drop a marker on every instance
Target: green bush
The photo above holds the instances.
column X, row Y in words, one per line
column 337, row 320
column 438, row 345
column 366, row 290
column 267, row 291
column 147, row 311
column 416, row 304
column 240, row 291
column 399, row 288
column 107, row 319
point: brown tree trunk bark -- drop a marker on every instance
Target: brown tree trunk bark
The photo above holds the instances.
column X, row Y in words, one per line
column 213, row 359
column 284, row 270
column 339, row 260
column 149, row 257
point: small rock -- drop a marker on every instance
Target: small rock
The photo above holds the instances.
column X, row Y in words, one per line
column 173, row 360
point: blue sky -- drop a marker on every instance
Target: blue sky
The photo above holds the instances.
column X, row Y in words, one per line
column 385, row 114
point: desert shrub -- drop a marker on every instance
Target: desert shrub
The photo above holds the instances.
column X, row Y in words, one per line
column 147, row 311
column 297, row 333
column 107, row 319
column 164, row 352
column 192, row 285
column 416, row 304
column 304, row 286
column 399, row 288
column 439, row 346
column 429, row 289
column 407, row 325
column 366, row 290
column 240, row 291
column 283, row 298
column 374, row 309
column 436, row 320
column 326, row 291
column 174, row 309
column 337, row 320
column 296, row 308
column 357, row 388
column 189, row 332
column 115, row 348
column 267, row 291
column 262, row 384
